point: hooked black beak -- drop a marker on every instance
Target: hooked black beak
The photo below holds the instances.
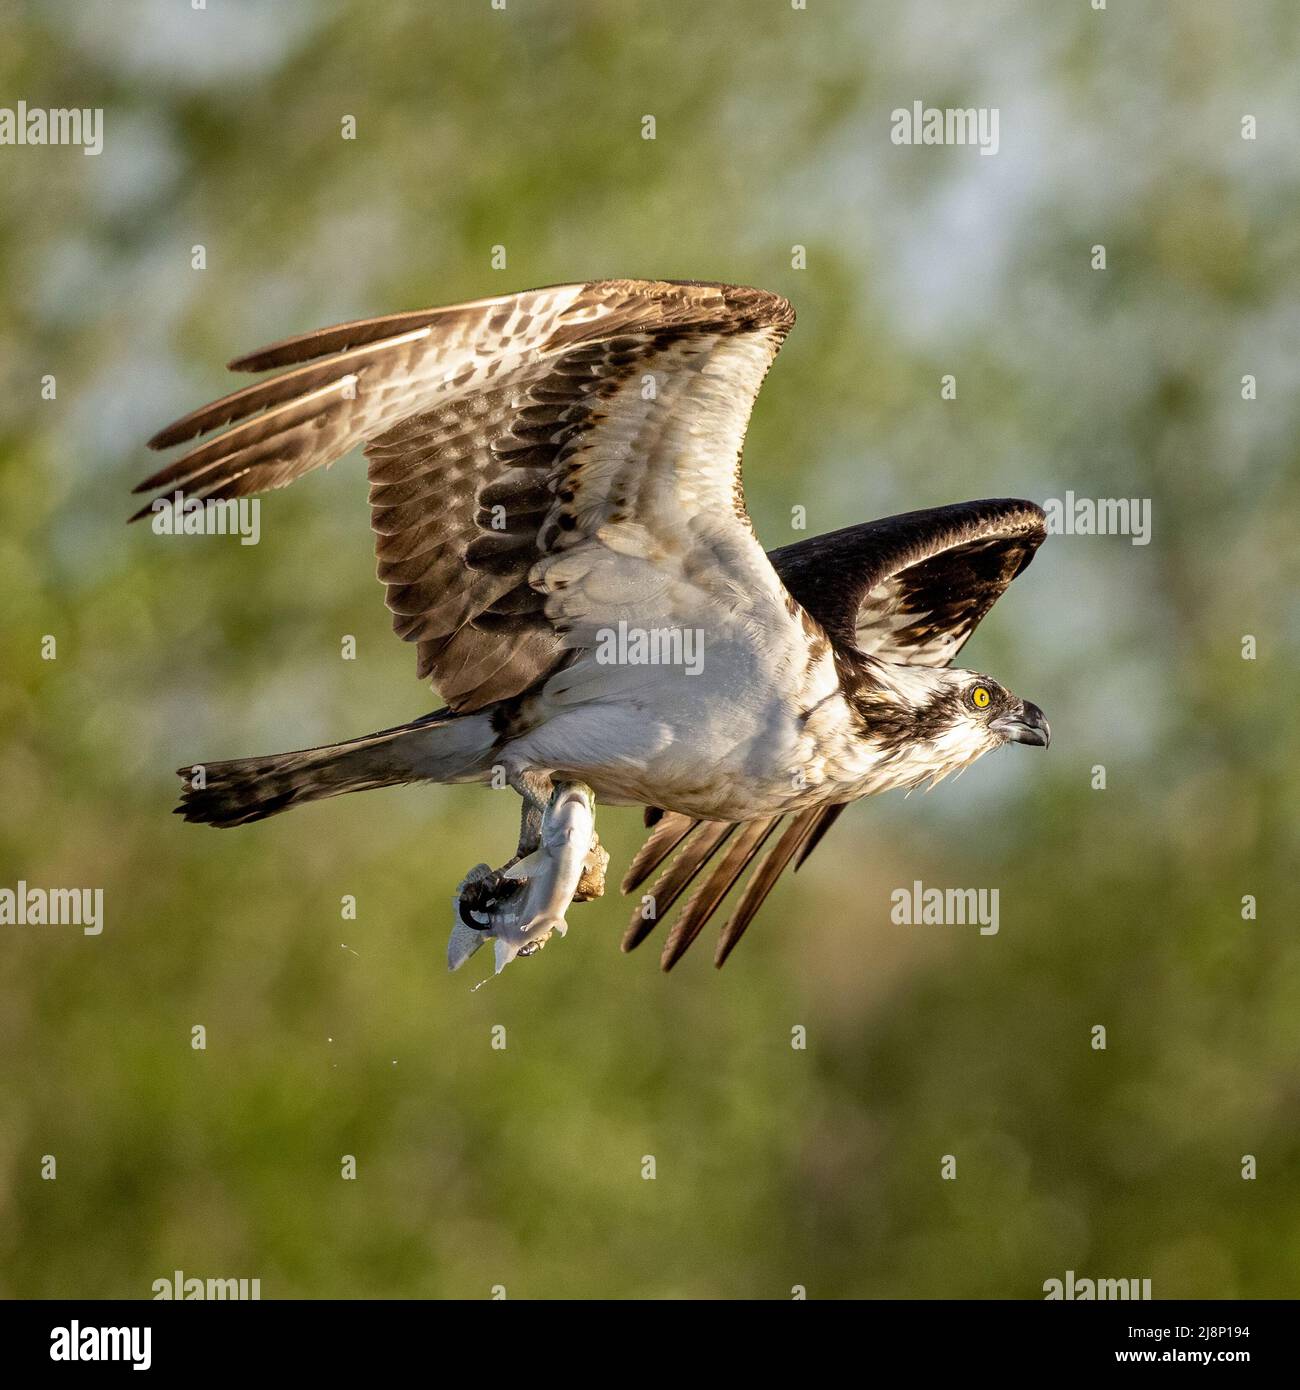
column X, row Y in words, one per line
column 1028, row 726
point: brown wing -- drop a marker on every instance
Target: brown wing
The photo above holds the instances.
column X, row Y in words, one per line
column 694, row 843
column 912, row 588
column 606, row 417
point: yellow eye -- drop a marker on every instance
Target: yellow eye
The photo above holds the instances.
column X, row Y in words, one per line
column 980, row 696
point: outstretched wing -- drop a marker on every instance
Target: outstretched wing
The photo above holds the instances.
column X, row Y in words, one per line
column 539, row 462
column 912, row 588
column 908, row 589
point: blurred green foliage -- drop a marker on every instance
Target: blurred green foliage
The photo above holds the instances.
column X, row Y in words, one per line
column 775, row 1167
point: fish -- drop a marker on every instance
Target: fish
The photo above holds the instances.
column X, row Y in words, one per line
column 523, row 923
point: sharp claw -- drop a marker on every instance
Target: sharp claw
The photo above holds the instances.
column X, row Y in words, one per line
column 482, row 893
column 466, row 916
column 592, row 883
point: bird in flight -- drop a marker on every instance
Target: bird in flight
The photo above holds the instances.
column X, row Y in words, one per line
column 556, row 500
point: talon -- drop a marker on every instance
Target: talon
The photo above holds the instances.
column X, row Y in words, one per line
column 482, row 894
column 592, row 883
column 466, row 916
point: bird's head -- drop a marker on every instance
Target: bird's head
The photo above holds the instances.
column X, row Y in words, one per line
column 938, row 721
column 991, row 714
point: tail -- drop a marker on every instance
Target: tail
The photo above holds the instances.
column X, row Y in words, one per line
column 441, row 747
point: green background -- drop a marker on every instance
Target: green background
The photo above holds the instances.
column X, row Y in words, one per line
column 775, row 1167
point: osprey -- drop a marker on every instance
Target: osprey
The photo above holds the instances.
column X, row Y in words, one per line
column 558, row 468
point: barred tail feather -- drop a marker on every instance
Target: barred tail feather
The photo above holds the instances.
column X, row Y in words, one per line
column 441, row 747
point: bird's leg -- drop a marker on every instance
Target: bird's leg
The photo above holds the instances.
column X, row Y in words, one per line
column 536, row 789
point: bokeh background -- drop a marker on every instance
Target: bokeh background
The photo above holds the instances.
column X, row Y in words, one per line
column 776, row 1167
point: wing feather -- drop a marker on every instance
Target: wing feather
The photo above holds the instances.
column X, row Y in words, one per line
column 527, row 485
column 705, row 900
column 669, row 830
column 322, row 342
column 912, row 588
column 764, row 878
column 700, row 841
column 669, row 886
column 830, row 814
